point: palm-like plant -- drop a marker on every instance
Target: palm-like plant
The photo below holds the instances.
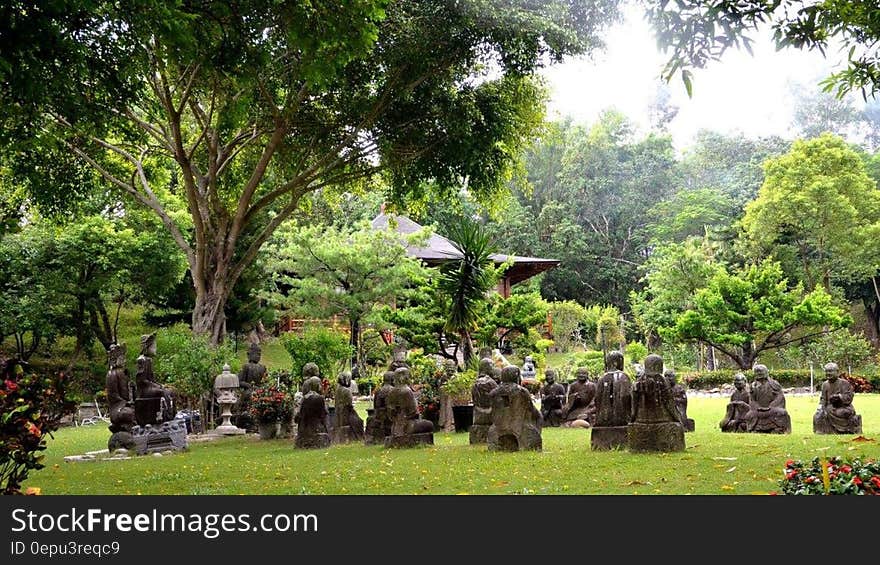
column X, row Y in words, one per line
column 467, row 281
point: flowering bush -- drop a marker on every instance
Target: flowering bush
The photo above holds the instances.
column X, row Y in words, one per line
column 271, row 404
column 831, row 476
column 31, row 408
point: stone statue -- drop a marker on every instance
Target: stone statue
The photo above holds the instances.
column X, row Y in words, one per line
column 528, row 368
column 154, row 403
column 119, row 399
column 407, row 428
column 735, row 419
column 767, row 413
column 378, row 425
column 480, row 393
column 656, row 424
column 552, row 399
column 836, row 414
column 447, row 420
column 580, row 409
column 348, row 426
column 250, row 375
column 613, row 405
column 679, row 395
column 313, row 420
column 516, row 423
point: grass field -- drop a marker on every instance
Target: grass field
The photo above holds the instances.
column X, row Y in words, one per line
column 714, row 463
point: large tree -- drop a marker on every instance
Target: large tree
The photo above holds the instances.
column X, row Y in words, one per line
column 224, row 118
column 744, row 314
column 819, row 206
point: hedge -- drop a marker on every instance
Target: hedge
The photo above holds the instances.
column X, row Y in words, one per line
column 785, row 377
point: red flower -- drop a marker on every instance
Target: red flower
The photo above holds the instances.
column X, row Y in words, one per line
column 875, row 480
column 846, row 469
column 857, row 481
column 791, row 475
column 789, row 463
column 10, row 386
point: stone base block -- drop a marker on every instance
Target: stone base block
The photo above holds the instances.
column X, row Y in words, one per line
column 229, row 430
column 530, row 440
column 823, row 426
column 412, row 440
column 153, row 439
column 479, row 434
column 662, row 437
column 315, row 441
column 608, row 437
column 120, row 440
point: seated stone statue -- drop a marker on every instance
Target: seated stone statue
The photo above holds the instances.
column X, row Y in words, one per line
column 407, row 428
column 480, row 394
column 656, row 424
column 552, row 399
column 836, row 414
column 735, row 419
column 119, row 399
column 313, row 420
column 348, row 426
column 613, row 405
column 679, row 395
column 154, row 404
column 516, row 423
column 378, row 425
column 767, row 413
column 250, row 375
column 580, row 409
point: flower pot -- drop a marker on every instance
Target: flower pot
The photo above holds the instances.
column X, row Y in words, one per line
column 463, row 416
column 268, row 430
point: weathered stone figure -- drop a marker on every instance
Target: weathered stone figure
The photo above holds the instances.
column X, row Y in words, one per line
column 378, row 425
column 516, row 423
column 656, row 424
column 580, row 409
column 407, row 428
column 836, row 414
column 348, row 426
column 736, row 417
column 313, row 420
column 480, row 393
column 119, row 398
column 679, row 394
column 552, row 399
column 250, row 375
column 154, row 403
column 447, row 420
column 767, row 413
column 613, row 405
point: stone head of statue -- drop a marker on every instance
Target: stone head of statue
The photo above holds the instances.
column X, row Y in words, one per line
column 669, row 375
column 148, row 345
column 582, row 374
column 311, row 384
column 529, row 360
column 550, row 376
column 831, row 371
column 401, row 376
column 449, row 367
column 739, row 381
column 486, row 366
column 254, row 353
column 344, row 379
column 510, row 374
column 653, row 365
column 310, row 370
column 388, row 378
column 614, row 361
column 761, row 372
column 116, row 356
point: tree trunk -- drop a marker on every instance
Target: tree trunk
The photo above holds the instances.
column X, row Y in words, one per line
column 354, row 341
column 209, row 316
column 467, row 347
column 872, row 309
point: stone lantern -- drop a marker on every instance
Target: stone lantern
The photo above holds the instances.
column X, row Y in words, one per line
column 226, row 392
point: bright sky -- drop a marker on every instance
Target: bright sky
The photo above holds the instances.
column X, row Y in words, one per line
column 740, row 92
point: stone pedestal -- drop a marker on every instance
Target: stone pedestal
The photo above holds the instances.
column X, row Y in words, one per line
column 479, row 434
column 409, row 440
column 651, row 437
column 608, row 437
column 152, row 439
column 120, row 440
column 312, row 441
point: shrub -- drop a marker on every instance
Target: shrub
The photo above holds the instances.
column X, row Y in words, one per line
column 32, row 409
column 592, row 360
column 636, row 351
column 785, row 377
column 327, row 348
column 271, row 404
column 188, row 362
column 832, row 476
column 459, row 387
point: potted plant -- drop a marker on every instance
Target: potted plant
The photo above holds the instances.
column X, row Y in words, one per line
column 270, row 405
column 459, row 390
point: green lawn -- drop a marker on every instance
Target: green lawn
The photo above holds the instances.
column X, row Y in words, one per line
column 714, row 463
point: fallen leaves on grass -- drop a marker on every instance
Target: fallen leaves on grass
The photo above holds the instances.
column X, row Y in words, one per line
column 634, row 483
column 731, row 470
column 861, row 439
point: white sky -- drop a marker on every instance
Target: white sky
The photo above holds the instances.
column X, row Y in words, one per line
column 737, row 93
